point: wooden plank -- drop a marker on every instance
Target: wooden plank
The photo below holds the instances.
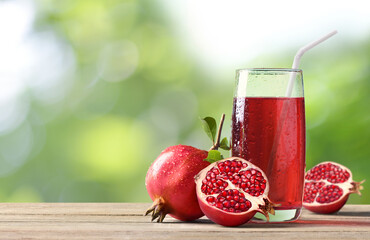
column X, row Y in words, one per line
column 74, row 208
column 126, row 221
column 132, row 209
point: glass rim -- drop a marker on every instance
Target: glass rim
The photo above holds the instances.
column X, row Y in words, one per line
column 297, row 70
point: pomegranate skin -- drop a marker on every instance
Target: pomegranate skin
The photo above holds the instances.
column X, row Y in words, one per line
column 329, row 208
column 225, row 219
column 170, row 181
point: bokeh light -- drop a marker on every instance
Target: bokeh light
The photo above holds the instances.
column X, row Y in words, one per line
column 92, row 91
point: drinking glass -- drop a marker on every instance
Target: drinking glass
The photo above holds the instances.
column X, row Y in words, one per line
column 268, row 129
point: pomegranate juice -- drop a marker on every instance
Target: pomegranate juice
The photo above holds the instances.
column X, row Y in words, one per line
column 270, row 132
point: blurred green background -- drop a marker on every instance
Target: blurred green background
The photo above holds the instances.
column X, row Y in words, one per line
column 93, row 91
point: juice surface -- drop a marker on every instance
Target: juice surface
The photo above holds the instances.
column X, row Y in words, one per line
column 270, row 132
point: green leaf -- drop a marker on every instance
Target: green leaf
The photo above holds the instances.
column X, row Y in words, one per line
column 224, row 144
column 210, row 127
column 213, row 156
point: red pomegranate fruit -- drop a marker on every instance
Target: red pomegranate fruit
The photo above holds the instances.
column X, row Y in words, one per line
column 170, row 183
column 232, row 190
column 327, row 187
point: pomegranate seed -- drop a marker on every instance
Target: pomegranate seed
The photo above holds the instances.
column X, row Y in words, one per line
column 329, row 172
column 325, row 197
column 243, row 206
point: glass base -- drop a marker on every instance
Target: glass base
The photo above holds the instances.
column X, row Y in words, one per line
column 283, row 215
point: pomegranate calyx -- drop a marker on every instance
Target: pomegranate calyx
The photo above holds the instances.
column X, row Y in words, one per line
column 267, row 208
column 157, row 209
column 357, row 187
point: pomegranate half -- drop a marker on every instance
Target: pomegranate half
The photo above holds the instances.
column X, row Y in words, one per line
column 232, row 190
column 170, row 183
column 327, row 187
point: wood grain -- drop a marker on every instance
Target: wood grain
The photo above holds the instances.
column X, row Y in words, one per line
column 126, row 221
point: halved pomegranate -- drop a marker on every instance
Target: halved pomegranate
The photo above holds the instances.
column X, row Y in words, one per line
column 327, row 187
column 232, row 190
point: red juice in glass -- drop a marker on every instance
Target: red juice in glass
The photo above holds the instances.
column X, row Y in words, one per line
column 268, row 129
column 253, row 138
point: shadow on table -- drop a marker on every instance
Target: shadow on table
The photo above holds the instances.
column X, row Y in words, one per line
column 354, row 214
column 309, row 223
column 299, row 223
column 334, row 222
column 247, row 225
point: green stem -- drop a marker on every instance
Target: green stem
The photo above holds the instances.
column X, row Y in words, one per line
column 216, row 145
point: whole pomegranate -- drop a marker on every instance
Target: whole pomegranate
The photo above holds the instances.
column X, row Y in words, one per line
column 232, row 190
column 170, row 183
column 327, row 187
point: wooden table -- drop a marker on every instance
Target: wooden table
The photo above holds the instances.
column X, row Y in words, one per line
column 126, row 221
